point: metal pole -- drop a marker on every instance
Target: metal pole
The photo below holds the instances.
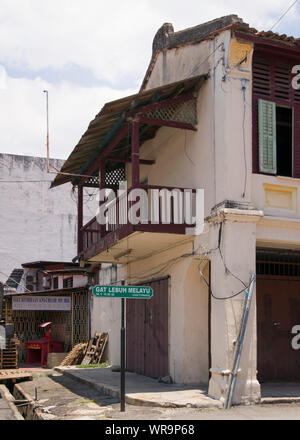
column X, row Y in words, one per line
column 122, row 406
column 238, row 353
column 47, row 111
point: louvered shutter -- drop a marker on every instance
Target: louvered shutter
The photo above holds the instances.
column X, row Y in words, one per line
column 267, row 136
column 297, row 140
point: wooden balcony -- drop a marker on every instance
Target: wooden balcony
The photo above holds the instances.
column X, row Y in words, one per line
column 157, row 222
column 109, row 152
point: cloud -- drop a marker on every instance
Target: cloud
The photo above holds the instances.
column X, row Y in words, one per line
column 108, row 37
column 87, row 52
column 23, row 115
column 3, row 78
column 111, row 39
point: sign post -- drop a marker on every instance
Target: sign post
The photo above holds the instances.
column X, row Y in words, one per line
column 129, row 292
column 122, row 384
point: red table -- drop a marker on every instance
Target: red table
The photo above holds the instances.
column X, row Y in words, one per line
column 37, row 351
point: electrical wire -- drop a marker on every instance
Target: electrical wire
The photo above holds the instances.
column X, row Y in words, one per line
column 25, row 181
column 283, row 15
column 166, row 266
column 185, row 152
column 10, row 278
column 172, row 262
column 197, row 67
column 224, row 297
column 163, row 267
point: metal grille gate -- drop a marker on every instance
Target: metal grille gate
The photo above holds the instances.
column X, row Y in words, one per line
column 72, row 326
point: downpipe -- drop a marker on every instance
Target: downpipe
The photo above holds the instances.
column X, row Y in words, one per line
column 240, row 342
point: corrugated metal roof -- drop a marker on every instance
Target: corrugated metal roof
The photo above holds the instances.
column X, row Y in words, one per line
column 41, row 264
column 52, row 291
column 15, row 278
column 110, row 120
column 167, row 39
column 277, row 37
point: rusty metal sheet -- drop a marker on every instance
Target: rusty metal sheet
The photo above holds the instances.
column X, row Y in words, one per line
column 110, row 119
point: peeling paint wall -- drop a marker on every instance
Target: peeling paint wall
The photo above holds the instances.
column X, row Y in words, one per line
column 36, row 223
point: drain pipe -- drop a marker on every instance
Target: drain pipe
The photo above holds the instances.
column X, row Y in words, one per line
column 240, row 341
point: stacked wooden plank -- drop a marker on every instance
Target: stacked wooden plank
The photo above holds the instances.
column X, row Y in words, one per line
column 9, row 355
column 95, row 349
column 75, row 356
column 13, row 375
column 7, row 311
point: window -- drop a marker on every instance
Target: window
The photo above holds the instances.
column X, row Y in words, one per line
column 29, row 283
column 55, row 283
column 68, row 282
column 276, row 116
column 284, row 140
column 275, row 134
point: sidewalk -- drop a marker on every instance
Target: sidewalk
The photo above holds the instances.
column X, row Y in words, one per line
column 280, row 392
column 141, row 390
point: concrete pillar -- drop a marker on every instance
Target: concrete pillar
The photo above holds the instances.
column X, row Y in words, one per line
column 238, row 248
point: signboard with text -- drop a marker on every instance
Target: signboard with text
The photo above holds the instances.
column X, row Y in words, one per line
column 27, row 302
column 131, row 292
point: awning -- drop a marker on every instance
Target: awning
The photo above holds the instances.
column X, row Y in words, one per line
column 45, row 324
column 111, row 119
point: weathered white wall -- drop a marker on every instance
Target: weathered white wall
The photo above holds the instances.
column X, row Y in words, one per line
column 106, row 315
column 36, row 223
column 188, row 311
column 78, row 280
column 218, row 158
column 179, row 64
column 212, row 158
column 196, row 320
column 238, row 248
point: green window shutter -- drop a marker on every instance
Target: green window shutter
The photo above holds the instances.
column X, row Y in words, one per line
column 267, row 136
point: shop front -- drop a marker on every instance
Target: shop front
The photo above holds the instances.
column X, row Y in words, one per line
column 48, row 322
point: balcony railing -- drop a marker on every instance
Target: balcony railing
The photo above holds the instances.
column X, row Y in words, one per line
column 160, row 209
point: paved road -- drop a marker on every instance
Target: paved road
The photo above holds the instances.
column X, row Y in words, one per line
column 65, row 399
column 254, row 412
column 62, row 398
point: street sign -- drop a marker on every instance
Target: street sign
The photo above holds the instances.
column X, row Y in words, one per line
column 131, row 292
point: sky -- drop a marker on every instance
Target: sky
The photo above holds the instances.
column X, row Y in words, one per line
column 88, row 52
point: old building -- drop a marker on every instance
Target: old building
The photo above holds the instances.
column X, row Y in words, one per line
column 217, row 111
column 50, row 291
column 35, row 223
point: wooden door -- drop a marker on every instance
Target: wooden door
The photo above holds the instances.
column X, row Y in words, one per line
column 278, row 310
column 147, row 332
